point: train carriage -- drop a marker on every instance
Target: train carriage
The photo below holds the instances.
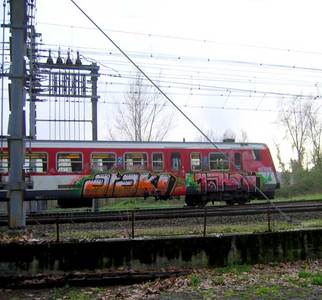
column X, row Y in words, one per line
column 75, row 172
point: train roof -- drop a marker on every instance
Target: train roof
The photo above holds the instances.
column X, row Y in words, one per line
column 140, row 145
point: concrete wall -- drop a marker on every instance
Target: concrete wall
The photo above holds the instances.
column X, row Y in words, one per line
column 32, row 258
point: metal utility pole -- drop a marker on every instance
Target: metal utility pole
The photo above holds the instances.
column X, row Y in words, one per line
column 17, row 98
column 94, row 76
column 32, row 81
column 32, row 103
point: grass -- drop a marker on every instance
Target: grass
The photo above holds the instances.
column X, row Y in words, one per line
column 269, row 291
column 140, row 203
column 195, row 280
column 237, row 281
column 306, row 278
column 152, row 232
column 125, row 204
column 124, row 231
column 307, row 197
column 266, row 291
column 70, row 294
column 137, row 203
column 304, row 274
column 313, row 278
column 235, row 269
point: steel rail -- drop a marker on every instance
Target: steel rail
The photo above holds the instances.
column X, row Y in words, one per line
column 168, row 213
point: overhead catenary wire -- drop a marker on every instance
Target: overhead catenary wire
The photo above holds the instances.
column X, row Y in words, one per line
column 200, row 87
column 294, row 68
column 157, row 87
column 205, row 60
column 242, row 78
column 217, row 78
column 258, row 97
column 190, row 106
column 145, row 75
column 192, row 39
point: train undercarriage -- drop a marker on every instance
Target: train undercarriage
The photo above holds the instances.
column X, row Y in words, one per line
column 230, row 198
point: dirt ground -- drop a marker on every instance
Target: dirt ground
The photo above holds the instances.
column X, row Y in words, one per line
column 291, row 280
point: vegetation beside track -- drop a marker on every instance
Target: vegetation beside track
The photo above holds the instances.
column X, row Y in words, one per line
column 292, row 280
column 137, row 203
column 300, row 181
column 173, row 227
column 151, row 203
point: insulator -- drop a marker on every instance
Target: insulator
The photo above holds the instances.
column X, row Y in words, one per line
column 50, row 59
column 68, row 60
column 78, row 61
column 59, row 60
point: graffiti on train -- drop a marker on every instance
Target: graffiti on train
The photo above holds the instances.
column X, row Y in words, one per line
column 132, row 184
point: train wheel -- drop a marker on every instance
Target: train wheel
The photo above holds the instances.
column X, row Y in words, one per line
column 242, row 201
column 190, row 201
column 203, row 201
column 270, row 195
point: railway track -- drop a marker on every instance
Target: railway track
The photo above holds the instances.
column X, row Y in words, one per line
column 168, row 213
column 80, row 279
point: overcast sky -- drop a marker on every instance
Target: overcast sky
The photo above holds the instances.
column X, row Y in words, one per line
column 227, row 64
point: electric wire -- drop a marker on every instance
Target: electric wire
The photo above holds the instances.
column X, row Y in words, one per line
column 145, row 75
column 206, row 60
column 157, row 87
column 255, row 80
column 294, row 68
column 207, row 107
column 151, row 35
column 199, row 87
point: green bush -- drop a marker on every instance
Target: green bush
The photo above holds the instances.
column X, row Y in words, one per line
column 317, row 279
column 301, row 182
column 304, row 274
column 195, row 280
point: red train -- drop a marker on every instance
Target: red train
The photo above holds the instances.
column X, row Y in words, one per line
column 74, row 172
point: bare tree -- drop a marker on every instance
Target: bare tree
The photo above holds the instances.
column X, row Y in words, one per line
column 242, row 137
column 315, row 133
column 285, row 174
column 210, row 134
column 295, row 119
column 279, row 158
column 143, row 115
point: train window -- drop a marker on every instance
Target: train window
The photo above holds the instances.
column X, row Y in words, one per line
column 4, row 162
column 135, row 161
column 195, row 161
column 36, row 163
column 238, row 162
column 103, row 161
column 175, row 161
column 218, row 161
column 257, row 154
column 157, row 161
column 69, row 162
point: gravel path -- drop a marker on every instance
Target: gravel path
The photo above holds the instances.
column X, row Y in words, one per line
column 171, row 226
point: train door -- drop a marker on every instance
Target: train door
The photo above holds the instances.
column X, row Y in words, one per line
column 238, row 161
column 176, row 161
